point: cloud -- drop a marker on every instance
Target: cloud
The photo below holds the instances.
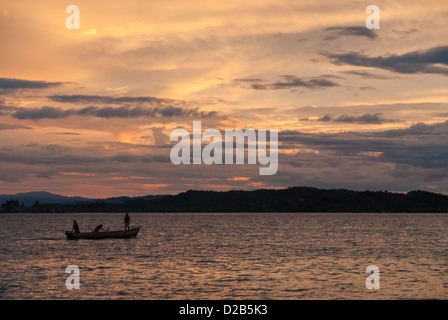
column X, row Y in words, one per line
column 367, row 118
column 159, row 137
column 366, row 74
column 7, row 126
column 14, row 84
column 89, row 99
column 422, row 61
column 44, row 112
column 249, row 80
column 29, row 161
column 67, row 133
column 418, row 129
column 289, row 82
column 360, row 31
column 47, row 112
column 4, row 110
column 420, row 145
column 80, row 157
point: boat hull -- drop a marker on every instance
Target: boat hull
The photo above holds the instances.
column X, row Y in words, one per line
column 103, row 234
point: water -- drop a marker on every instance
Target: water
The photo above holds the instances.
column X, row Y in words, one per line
column 227, row 256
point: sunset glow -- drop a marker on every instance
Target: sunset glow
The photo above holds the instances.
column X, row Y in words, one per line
column 89, row 112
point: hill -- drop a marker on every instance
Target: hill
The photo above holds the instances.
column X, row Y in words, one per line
column 29, row 199
column 294, row 199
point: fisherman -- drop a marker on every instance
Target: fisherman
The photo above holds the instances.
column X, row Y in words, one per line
column 126, row 221
column 75, row 228
column 98, row 228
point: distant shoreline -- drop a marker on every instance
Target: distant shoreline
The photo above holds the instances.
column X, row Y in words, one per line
column 294, row 199
column 222, row 212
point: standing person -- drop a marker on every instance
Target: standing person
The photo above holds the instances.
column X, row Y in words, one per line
column 75, row 228
column 126, row 221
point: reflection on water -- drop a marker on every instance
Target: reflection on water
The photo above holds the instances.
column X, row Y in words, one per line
column 227, row 256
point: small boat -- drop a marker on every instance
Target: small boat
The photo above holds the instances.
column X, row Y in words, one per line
column 122, row 234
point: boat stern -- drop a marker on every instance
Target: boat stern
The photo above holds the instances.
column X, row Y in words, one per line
column 69, row 235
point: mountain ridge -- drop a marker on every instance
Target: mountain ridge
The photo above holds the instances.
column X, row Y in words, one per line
column 45, row 197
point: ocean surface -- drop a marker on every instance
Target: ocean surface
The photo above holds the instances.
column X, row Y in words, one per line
column 227, row 256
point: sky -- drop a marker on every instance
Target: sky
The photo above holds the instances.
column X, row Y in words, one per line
column 89, row 111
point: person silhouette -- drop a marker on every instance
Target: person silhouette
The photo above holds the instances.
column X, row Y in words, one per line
column 127, row 219
column 75, row 228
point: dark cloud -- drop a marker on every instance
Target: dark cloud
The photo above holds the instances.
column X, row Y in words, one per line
column 366, row 74
column 90, row 99
column 406, row 33
column 130, row 158
column 360, row 31
column 42, row 113
column 48, row 160
column 392, row 159
column 4, row 110
column 367, row 118
column 109, row 112
column 14, row 84
column 7, row 126
column 418, row 129
column 67, row 133
column 249, row 80
column 423, row 61
column 289, row 82
column 420, row 145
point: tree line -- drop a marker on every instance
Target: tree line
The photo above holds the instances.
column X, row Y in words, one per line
column 294, row 199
